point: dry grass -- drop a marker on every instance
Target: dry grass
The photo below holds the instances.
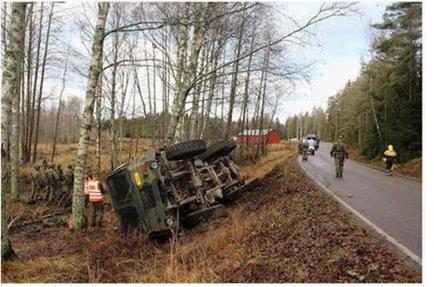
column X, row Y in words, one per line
column 288, row 231
column 277, row 153
column 411, row 168
column 66, row 153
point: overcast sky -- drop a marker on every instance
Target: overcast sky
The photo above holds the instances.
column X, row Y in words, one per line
column 337, row 47
column 343, row 42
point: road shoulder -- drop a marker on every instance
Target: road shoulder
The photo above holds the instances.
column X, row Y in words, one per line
column 407, row 255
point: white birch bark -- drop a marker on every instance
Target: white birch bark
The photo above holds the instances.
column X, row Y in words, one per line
column 78, row 215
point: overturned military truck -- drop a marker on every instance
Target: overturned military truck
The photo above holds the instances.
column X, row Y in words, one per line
column 181, row 185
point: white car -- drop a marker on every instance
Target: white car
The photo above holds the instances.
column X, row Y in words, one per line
column 313, row 143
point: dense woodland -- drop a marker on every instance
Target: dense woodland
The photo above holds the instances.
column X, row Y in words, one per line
column 384, row 104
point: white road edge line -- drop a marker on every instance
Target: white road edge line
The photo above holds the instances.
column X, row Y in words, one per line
column 377, row 229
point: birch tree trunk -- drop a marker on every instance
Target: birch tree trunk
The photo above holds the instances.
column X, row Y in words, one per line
column 35, row 84
column 15, row 154
column 154, row 90
column 235, row 77
column 211, row 93
column 264, row 89
column 186, row 80
column 130, row 150
column 25, row 119
column 78, row 215
column 195, row 102
column 98, row 125
column 65, row 69
column 113, row 127
column 205, row 88
column 121, row 115
column 136, row 80
column 243, row 114
column 178, row 101
column 44, row 62
column 10, row 93
column 246, row 86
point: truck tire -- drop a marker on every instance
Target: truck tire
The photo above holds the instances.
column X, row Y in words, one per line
column 218, row 149
column 185, row 150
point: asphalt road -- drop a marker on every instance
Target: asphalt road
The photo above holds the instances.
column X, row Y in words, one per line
column 392, row 203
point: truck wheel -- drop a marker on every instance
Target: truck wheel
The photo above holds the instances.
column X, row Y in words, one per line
column 218, row 149
column 185, row 150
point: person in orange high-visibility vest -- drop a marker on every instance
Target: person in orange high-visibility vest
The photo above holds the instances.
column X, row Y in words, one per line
column 96, row 198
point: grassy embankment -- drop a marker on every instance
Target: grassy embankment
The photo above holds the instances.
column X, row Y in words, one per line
column 286, row 231
column 412, row 168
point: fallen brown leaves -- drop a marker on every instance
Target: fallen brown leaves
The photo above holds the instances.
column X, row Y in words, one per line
column 303, row 236
column 286, row 231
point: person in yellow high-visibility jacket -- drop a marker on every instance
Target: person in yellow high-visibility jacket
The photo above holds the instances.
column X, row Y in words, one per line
column 389, row 158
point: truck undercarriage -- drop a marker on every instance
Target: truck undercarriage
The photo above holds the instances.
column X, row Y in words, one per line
column 176, row 187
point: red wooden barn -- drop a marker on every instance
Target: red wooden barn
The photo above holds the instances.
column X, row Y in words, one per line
column 270, row 136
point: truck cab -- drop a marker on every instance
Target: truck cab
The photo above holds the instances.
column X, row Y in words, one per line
column 140, row 199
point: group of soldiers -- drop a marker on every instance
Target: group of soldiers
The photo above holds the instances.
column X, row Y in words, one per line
column 50, row 182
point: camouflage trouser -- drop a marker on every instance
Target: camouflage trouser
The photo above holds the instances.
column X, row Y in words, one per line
column 35, row 190
column 339, row 163
column 54, row 192
column 305, row 154
column 47, row 188
column 51, row 192
column 97, row 214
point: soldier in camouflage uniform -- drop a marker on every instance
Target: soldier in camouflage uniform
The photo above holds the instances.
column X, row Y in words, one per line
column 69, row 178
column 339, row 152
column 58, row 181
column 304, row 150
column 50, row 182
column 43, row 180
column 36, row 182
column 45, row 164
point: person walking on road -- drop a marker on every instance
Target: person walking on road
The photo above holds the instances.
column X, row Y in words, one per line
column 339, row 152
column 303, row 149
column 389, row 158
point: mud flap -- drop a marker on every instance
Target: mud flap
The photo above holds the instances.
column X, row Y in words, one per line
column 235, row 194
